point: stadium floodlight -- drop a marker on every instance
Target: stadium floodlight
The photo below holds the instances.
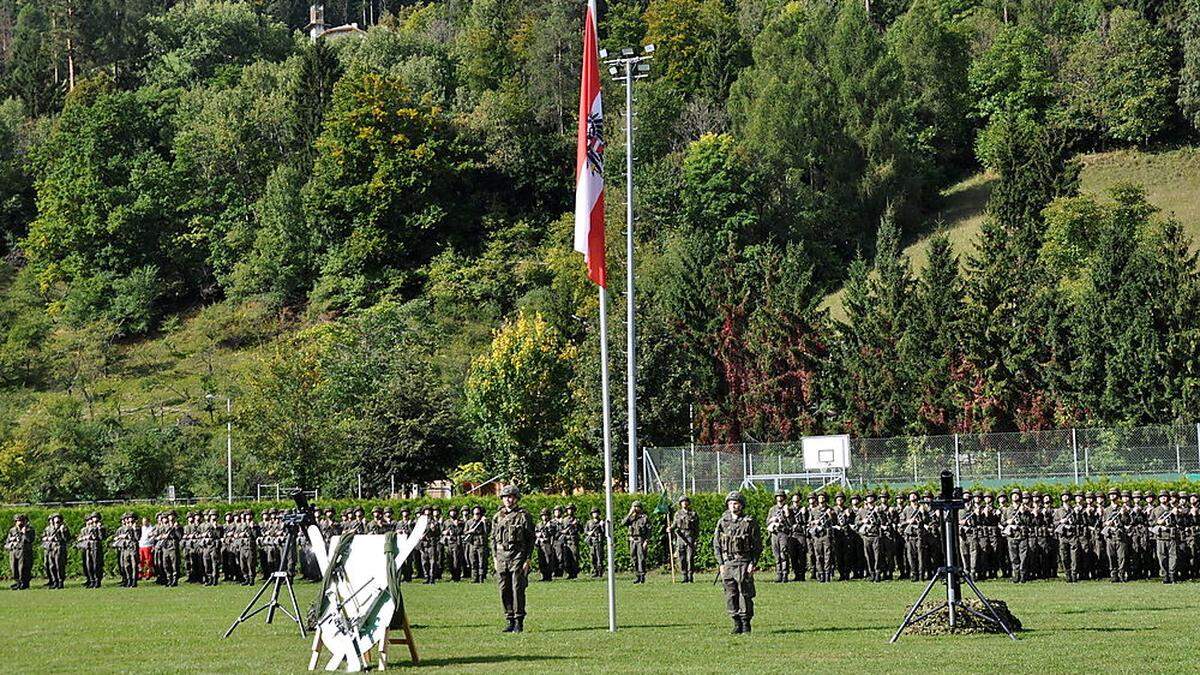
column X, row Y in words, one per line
column 626, row 51
column 643, row 68
column 613, row 70
column 604, row 53
column 648, row 49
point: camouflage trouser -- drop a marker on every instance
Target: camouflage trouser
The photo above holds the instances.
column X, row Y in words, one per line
column 547, row 563
column 568, row 558
column 127, row 563
column 779, row 549
column 1018, row 558
column 798, row 554
column 823, row 555
column 598, row 562
column 477, row 559
column 512, row 591
column 93, row 563
column 914, row 557
column 246, row 559
column 429, row 566
column 55, row 565
column 170, row 564
column 1069, row 555
column 637, row 555
column 1168, row 558
column 687, row 557
column 871, row 553
column 1118, row 559
column 212, row 569
column 21, row 563
column 739, row 589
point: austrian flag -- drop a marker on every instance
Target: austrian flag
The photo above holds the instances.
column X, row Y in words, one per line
column 589, row 157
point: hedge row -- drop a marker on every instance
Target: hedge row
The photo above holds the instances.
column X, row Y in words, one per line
column 708, row 505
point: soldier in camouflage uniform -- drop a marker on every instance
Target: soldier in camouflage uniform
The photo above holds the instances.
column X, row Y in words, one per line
column 797, row 550
column 229, row 563
column 988, row 521
column 969, row 532
column 842, row 557
column 1018, row 524
column 19, row 544
column 247, row 542
column 821, row 521
column 809, row 544
column 209, row 539
column 912, row 527
column 779, row 528
column 685, row 529
column 55, row 540
column 737, row 544
column 1068, row 525
column 452, row 544
column 429, row 546
column 376, row 525
column 544, row 534
column 638, row 529
column 1117, row 521
column 512, row 545
column 125, row 541
column 568, row 543
column 476, row 535
column 869, row 525
column 594, row 533
column 190, row 550
column 91, row 542
column 1163, row 524
column 166, row 542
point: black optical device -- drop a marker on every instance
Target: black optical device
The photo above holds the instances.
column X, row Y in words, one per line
column 304, row 515
column 950, row 502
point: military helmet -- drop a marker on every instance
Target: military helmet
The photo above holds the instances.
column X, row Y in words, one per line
column 570, row 508
column 387, row 511
column 855, row 498
column 127, row 514
column 812, row 496
column 1126, row 493
column 735, row 496
column 558, row 507
column 54, row 515
column 966, row 493
column 94, row 514
column 377, row 509
column 477, row 508
column 637, row 504
column 781, row 493
column 21, row 517
column 1162, row 493
column 871, row 495
column 595, row 510
column 359, row 510
column 510, row 491
column 545, row 512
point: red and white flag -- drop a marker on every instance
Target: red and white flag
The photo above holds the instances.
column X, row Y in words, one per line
column 589, row 157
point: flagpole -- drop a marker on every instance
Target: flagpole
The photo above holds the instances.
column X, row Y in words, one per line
column 608, row 477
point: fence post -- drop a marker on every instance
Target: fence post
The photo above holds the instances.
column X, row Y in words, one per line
column 1178, row 460
column 693, row 457
column 258, row 492
column 957, row 472
column 277, row 495
column 683, row 470
column 392, row 479
column 1087, row 459
column 720, row 486
column 913, row 454
column 999, row 474
column 360, row 486
column 1075, row 455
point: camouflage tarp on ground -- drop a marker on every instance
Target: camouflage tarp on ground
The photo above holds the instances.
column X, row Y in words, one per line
column 964, row 622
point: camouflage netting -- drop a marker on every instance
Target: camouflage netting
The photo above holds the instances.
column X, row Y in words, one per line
column 965, row 622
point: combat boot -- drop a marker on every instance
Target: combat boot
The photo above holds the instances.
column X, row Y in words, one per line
column 519, row 627
column 511, row 627
column 737, row 626
column 746, row 625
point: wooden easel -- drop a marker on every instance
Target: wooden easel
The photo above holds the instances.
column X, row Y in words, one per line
column 406, row 640
column 388, row 639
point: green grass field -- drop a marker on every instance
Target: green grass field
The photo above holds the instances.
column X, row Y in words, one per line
column 840, row 627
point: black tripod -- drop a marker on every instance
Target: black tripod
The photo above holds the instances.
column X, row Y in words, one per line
column 278, row 578
column 950, row 501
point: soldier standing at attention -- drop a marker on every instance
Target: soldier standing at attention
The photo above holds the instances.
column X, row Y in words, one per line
column 808, row 539
column 685, row 528
column 1018, row 523
column 125, row 541
column 639, row 540
column 779, row 527
column 1163, row 521
column 737, row 544
column 870, row 529
column 556, row 515
column 593, row 532
column 376, row 526
column 821, row 521
column 452, row 544
column 1066, row 529
column 1117, row 522
column 429, row 546
column 544, row 534
column 211, row 536
column 512, row 545
column 475, row 534
column 568, row 543
column 969, row 532
column 55, row 541
column 91, row 543
column 19, row 544
column 229, row 565
column 169, row 542
column 912, row 526
column 798, row 540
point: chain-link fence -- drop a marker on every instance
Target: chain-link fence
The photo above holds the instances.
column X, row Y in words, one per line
column 1059, row 455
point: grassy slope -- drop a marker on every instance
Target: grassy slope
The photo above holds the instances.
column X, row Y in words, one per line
column 842, row 627
column 1171, row 180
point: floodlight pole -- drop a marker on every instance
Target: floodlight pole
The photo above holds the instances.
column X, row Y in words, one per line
column 626, row 68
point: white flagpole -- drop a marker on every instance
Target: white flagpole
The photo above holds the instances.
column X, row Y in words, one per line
column 608, row 478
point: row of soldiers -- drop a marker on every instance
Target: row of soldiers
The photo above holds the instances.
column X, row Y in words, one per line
column 203, row 549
